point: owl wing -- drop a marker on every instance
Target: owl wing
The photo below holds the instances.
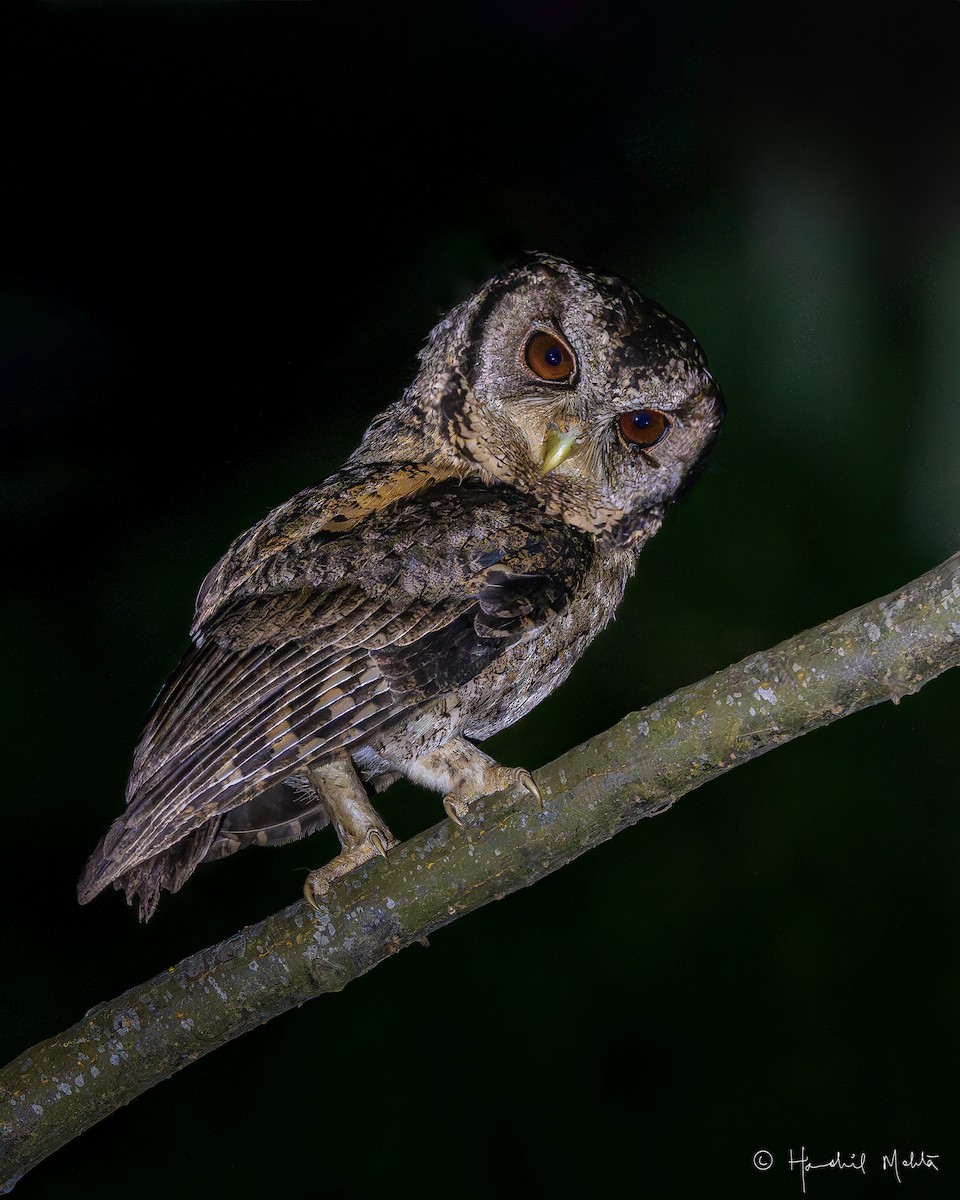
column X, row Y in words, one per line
column 330, row 638
column 335, row 506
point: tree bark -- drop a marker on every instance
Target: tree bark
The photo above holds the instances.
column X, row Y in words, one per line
column 639, row 768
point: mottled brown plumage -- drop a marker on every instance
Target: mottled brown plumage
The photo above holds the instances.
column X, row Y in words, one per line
column 431, row 592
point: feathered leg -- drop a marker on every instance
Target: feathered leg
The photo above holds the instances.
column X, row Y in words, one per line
column 359, row 827
column 465, row 773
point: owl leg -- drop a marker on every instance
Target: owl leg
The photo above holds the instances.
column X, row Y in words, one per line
column 465, row 773
column 359, row 827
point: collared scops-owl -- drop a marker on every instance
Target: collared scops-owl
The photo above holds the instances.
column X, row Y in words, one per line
column 427, row 594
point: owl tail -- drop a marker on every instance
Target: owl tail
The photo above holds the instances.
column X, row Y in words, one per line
column 167, row 871
column 277, row 815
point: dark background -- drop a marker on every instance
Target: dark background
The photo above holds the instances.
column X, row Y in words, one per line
column 226, row 230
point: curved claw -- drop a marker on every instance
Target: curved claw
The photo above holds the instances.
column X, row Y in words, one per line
column 376, row 839
column 453, row 808
column 308, row 893
column 529, row 784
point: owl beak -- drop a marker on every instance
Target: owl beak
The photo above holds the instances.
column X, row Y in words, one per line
column 558, row 445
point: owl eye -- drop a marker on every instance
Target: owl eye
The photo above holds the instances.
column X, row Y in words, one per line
column 644, row 428
column 548, row 357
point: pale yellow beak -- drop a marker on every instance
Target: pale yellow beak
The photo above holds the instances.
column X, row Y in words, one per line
column 558, row 445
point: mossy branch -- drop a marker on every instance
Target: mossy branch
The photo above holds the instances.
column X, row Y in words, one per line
column 639, row 768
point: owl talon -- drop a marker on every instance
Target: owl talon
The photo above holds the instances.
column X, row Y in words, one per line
column 310, row 893
column 529, row 784
column 379, row 843
column 318, row 882
column 456, row 810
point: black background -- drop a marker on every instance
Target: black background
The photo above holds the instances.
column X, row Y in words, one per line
column 226, row 230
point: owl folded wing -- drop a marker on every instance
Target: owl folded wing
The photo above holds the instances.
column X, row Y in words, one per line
column 333, row 637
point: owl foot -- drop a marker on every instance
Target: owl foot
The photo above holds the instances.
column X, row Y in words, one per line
column 362, row 833
column 496, row 778
column 376, row 843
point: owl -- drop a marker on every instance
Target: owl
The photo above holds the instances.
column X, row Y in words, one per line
column 430, row 592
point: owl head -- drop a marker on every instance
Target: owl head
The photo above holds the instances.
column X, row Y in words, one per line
column 569, row 385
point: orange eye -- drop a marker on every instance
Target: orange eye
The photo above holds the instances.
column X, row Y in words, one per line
column 548, row 357
column 644, row 428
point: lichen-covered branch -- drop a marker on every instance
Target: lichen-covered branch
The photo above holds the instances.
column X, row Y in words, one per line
column 881, row 651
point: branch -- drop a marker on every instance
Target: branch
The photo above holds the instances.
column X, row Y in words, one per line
column 639, row 768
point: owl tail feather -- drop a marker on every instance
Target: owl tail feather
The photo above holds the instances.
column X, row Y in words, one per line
column 277, row 815
column 167, row 871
